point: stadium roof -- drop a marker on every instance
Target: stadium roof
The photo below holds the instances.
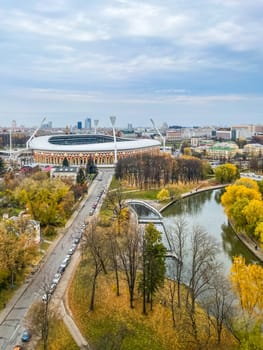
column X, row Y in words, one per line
column 87, row 143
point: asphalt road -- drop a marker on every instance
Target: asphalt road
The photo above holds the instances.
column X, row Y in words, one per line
column 12, row 318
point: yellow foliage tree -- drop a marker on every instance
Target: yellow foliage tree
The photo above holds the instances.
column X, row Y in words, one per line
column 235, row 193
column 259, row 232
column 163, row 195
column 226, row 173
column 249, row 183
column 253, row 213
column 247, row 281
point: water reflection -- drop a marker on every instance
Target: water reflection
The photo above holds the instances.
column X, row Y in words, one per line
column 232, row 247
column 192, row 205
column 204, row 209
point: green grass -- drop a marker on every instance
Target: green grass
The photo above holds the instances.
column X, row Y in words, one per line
column 141, row 194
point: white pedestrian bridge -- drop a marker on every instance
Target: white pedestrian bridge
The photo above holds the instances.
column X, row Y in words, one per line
column 148, row 214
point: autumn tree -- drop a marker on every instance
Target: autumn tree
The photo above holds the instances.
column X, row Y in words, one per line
column 16, row 249
column 49, row 201
column 243, row 203
column 226, row 173
column 247, row 284
column 163, row 195
column 116, row 204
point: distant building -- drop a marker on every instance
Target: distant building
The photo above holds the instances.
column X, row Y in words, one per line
column 88, row 123
column 47, row 125
column 173, row 135
column 243, row 131
column 79, row 125
column 64, row 172
column 222, row 150
column 223, row 134
column 254, row 149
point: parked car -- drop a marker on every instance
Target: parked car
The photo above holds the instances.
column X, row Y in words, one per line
column 26, row 335
column 48, row 294
column 56, row 278
column 71, row 251
column 76, row 240
column 62, row 268
column 52, row 288
column 46, row 297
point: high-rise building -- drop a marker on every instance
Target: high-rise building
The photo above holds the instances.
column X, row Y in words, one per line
column 88, row 123
column 79, row 125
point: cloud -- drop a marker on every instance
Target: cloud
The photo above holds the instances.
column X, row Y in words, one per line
column 165, row 51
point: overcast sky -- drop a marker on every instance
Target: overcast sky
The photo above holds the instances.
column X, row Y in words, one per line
column 187, row 62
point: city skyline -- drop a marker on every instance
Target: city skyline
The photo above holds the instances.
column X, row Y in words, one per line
column 176, row 62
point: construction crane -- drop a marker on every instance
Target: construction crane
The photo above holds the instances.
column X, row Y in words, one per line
column 34, row 133
column 161, row 136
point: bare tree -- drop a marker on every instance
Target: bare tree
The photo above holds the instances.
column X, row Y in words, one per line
column 201, row 272
column 130, row 255
column 114, row 258
column 94, row 247
column 39, row 316
column 115, row 202
column 177, row 237
column 219, row 303
column 203, row 264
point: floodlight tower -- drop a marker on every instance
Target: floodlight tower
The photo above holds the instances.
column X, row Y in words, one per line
column 161, row 136
column 113, row 120
column 34, row 133
column 96, row 122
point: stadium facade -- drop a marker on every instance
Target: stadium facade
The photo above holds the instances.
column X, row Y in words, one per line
column 78, row 149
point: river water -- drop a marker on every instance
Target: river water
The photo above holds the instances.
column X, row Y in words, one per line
column 204, row 209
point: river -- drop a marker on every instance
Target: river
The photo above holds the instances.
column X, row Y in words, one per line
column 204, row 209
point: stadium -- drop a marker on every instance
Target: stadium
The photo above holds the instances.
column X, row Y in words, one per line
column 78, row 149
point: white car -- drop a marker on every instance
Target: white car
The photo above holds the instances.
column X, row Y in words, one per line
column 56, row 278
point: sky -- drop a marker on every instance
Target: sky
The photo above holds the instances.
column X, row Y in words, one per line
column 180, row 62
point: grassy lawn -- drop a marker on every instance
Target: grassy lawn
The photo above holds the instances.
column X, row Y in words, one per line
column 113, row 325
column 113, row 320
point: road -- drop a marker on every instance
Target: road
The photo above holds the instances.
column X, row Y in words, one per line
column 12, row 318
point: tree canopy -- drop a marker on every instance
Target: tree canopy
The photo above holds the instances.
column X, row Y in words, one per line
column 243, row 204
column 226, row 173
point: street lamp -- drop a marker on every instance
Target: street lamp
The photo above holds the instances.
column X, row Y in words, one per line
column 162, row 137
column 113, row 120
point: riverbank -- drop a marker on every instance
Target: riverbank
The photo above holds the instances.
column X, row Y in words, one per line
column 249, row 243
column 253, row 246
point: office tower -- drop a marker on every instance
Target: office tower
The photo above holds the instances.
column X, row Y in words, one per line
column 88, row 123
